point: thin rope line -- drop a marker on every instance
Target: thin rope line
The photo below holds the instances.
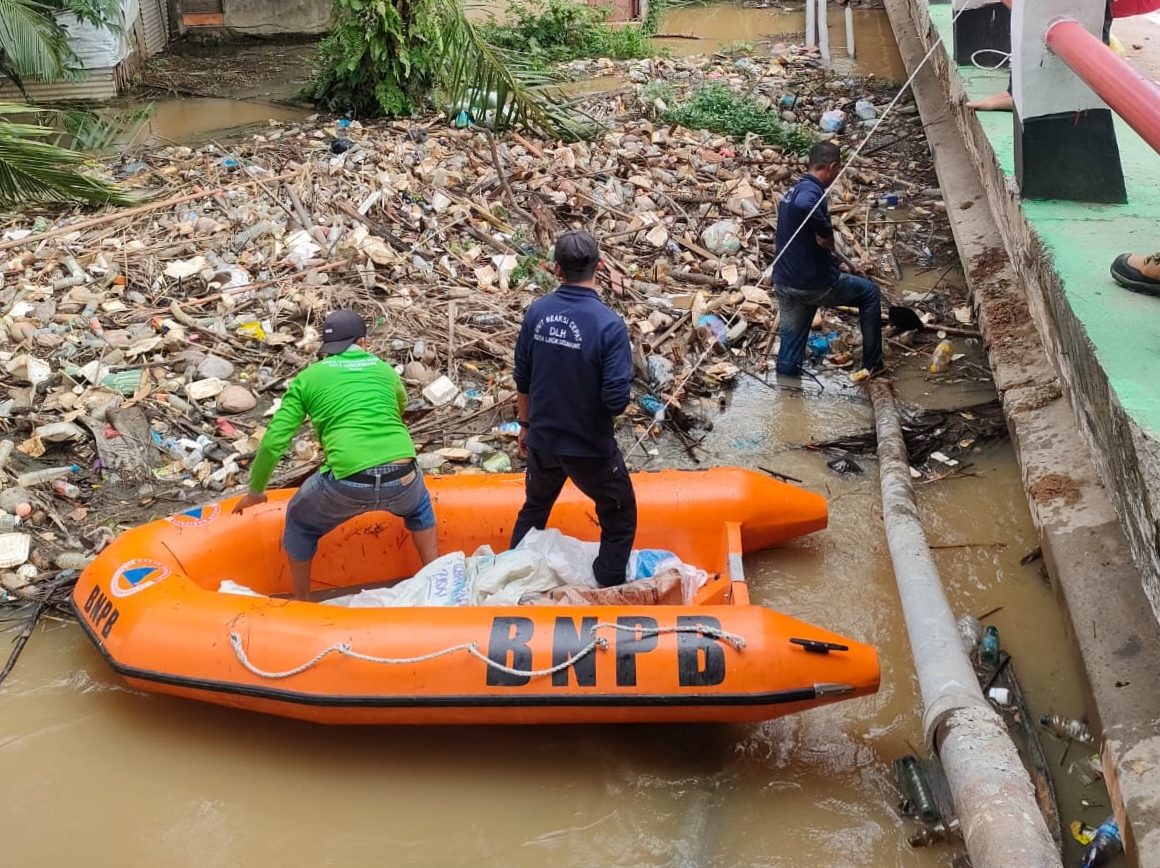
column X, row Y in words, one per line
column 659, row 415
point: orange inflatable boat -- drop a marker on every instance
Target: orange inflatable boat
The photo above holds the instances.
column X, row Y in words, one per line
column 150, row 603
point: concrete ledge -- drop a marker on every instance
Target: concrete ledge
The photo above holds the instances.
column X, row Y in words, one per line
column 1113, row 628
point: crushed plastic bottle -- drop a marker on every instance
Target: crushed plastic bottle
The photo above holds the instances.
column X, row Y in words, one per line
column 1105, row 846
column 989, row 647
column 48, row 474
column 941, row 359
column 66, row 489
column 865, row 110
column 9, row 523
column 1067, row 727
column 971, row 632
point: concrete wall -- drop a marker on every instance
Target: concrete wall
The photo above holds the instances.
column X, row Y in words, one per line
column 276, row 17
column 258, row 17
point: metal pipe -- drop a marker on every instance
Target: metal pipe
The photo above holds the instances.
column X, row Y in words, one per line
column 849, row 30
column 1126, row 90
column 994, row 798
column 823, row 31
column 811, row 24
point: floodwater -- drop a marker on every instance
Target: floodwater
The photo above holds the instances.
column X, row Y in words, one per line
column 106, row 776
column 103, row 776
column 724, row 25
column 194, row 120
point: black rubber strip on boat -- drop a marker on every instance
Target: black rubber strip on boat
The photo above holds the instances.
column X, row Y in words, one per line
column 605, row 700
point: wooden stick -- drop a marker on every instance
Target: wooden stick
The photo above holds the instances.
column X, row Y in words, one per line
column 313, row 231
column 533, row 149
column 141, row 209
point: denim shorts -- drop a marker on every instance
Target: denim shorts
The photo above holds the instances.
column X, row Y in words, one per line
column 323, row 503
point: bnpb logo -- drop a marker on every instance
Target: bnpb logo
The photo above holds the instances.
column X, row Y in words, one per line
column 195, row 517
column 137, row 575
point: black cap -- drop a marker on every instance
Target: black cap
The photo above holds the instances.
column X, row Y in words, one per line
column 577, row 252
column 340, row 330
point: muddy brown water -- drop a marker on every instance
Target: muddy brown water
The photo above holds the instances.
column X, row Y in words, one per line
column 100, row 775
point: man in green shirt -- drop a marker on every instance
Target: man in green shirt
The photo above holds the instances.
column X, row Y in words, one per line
column 355, row 401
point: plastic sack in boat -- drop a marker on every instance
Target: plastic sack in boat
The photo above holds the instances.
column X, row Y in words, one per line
column 443, row 582
column 500, row 580
column 569, row 558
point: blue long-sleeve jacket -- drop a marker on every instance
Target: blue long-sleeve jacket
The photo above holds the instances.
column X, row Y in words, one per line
column 574, row 363
column 804, row 264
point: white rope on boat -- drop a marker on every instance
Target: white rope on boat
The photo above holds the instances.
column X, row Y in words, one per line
column 472, row 648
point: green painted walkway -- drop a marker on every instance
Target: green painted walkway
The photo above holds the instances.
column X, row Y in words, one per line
column 1124, row 327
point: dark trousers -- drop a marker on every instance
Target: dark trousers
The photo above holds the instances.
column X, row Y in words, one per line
column 606, row 481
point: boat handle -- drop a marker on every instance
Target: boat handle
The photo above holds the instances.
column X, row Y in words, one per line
column 815, row 646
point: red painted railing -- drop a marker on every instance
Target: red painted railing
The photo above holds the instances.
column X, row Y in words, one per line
column 1126, row 90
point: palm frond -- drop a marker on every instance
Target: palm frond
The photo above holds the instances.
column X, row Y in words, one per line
column 34, row 170
column 505, row 90
column 32, row 44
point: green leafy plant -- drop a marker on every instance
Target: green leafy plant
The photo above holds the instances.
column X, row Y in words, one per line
column 393, row 57
column 718, row 109
column 554, row 31
column 33, row 169
column 658, row 89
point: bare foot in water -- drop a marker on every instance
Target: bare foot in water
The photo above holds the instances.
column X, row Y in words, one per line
column 998, row 102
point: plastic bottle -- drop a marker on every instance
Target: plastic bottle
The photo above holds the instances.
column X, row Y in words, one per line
column 9, row 523
column 1105, row 846
column 511, row 429
column 941, row 360
column 6, row 447
column 1067, row 727
column 72, row 560
column 989, row 647
column 48, row 474
column 66, row 489
column 970, row 631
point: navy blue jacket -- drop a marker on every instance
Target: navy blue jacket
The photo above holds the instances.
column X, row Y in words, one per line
column 805, row 264
column 574, row 363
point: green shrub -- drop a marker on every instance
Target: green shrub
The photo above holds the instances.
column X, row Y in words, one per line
column 556, row 31
column 719, row 110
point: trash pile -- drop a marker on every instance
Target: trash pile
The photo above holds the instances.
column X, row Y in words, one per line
column 142, row 351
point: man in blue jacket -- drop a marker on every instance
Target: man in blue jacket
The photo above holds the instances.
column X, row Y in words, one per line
column 573, row 374
column 806, row 275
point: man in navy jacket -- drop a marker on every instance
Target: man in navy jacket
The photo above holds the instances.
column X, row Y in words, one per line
column 806, row 274
column 573, row 376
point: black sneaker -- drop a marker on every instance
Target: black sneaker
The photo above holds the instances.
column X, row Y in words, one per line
column 1130, row 278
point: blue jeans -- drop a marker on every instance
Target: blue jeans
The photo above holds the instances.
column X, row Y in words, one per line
column 323, row 503
column 797, row 308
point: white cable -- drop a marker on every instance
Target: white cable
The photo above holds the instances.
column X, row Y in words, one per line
column 1004, row 58
column 845, row 168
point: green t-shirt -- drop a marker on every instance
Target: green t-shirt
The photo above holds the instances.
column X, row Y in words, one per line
column 355, row 401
